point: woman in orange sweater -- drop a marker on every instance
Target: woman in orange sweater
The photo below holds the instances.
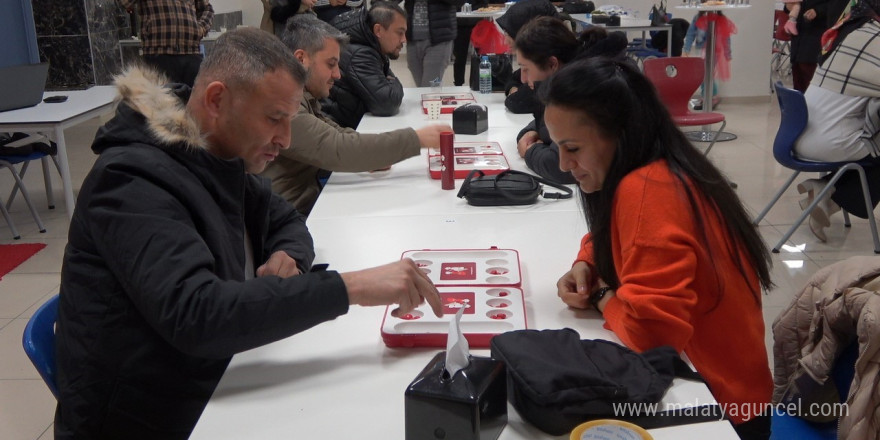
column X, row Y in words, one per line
column 672, row 258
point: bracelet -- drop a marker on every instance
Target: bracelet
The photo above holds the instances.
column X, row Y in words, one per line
column 792, row 19
column 597, row 296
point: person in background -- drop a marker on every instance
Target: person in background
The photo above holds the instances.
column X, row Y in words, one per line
column 806, row 23
column 321, row 144
column 843, row 103
column 543, row 46
column 431, row 29
column 461, row 44
column 171, row 33
column 696, row 38
column 520, row 97
column 368, row 84
column 179, row 256
column 327, row 10
column 672, row 257
column 282, row 10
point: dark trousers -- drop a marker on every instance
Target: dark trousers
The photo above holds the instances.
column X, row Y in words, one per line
column 801, row 75
column 848, row 190
column 178, row 68
column 460, row 47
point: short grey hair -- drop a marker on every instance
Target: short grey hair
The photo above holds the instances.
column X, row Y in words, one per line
column 383, row 12
column 243, row 56
column 308, row 32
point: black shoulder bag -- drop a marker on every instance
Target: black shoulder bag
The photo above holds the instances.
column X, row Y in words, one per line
column 507, row 188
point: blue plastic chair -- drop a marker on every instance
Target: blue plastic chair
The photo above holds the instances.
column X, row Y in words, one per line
column 785, row 426
column 39, row 342
column 793, row 107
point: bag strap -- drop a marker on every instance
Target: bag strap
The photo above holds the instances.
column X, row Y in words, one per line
column 566, row 191
column 465, row 186
column 565, row 194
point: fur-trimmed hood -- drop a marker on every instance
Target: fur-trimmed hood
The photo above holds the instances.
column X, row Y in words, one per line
column 150, row 111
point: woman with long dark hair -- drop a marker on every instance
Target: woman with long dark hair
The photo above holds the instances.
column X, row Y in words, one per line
column 543, row 46
column 672, row 258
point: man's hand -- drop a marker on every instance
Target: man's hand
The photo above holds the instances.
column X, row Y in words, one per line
column 338, row 2
column 309, row 3
column 810, row 14
column 574, row 288
column 400, row 283
column 526, row 142
column 279, row 264
column 429, row 136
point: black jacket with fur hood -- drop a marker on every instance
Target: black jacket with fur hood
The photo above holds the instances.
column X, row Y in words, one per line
column 154, row 301
column 367, row 83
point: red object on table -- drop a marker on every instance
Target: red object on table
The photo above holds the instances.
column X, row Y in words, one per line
column 447, row 170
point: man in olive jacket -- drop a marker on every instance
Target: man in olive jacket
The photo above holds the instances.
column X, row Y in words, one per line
column 179, row 257
column 319, row 143
column 367, row 83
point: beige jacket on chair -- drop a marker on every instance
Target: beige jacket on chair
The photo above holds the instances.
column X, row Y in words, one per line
column 838, row 303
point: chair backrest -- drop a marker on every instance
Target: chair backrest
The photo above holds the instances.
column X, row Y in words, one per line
column 676, row 79
column 793, row 108
column 779, row 20
column 39, row 341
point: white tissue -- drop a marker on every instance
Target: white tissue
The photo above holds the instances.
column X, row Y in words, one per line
column 456, row 346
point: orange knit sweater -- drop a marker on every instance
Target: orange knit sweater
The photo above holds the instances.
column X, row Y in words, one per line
column 674, row 290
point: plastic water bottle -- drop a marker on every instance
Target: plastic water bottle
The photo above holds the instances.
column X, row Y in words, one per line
column 485, row 75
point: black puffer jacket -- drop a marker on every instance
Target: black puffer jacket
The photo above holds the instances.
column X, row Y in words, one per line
column 154, row 301
column 441, row 19
column 367, row 83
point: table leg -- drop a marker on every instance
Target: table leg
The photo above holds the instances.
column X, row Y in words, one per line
column 64, row 170
column 707, row 134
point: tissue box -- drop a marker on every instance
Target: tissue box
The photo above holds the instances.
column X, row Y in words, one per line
column 470, row 119
column 472, row 405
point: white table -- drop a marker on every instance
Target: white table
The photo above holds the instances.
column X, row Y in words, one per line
column 631, row 25
column 52, row 119
column 338, row 380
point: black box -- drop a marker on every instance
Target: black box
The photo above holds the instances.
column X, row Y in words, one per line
column 472, row 405
column 470, row 119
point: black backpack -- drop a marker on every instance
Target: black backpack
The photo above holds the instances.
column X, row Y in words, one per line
column 557, row 381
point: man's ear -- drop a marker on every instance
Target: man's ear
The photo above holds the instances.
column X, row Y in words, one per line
column 302, row 56
column 216, row 96
column 377, row 27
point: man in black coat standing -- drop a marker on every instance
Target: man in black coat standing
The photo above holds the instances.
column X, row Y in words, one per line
column 367, row 83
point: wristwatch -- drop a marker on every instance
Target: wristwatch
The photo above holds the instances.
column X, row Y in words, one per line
column 597, row 295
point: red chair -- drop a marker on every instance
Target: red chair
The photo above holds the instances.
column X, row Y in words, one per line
column 676, row 80
column 780, row 64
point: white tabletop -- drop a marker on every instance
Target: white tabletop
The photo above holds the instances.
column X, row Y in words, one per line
column 78, row 102
column 339, row 380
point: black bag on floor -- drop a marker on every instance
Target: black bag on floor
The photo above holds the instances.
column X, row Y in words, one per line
column 557, row 381
column 502, row 71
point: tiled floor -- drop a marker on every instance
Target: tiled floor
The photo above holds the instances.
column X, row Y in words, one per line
column 27, row 407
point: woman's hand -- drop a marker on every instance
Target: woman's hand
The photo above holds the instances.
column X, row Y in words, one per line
column 574, row 287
